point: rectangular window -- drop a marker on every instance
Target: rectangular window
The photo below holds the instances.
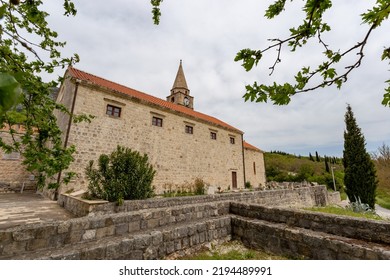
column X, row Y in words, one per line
column 232, row 140
column 113, row 111
column 254, row 168
column 157, row 121
column 189, row 129
column 213, row 135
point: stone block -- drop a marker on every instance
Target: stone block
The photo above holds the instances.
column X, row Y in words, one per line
column 121, row 229
column 135, row 255
column 24, row 234
column 142, row 241
column 64, row 227
column 46, row 232
column 112, row 250
column 14, row 248
column 37, row 244
column 185, row 242
column 178, row 245
column 134, row 226
column 56, row 241
column 97, row 223
column 157, row 238
column 170, row 247
column 68, row 255
column 80, row 224
column 105, row 231
column 108, row 222
column 89, row 234
column 153, row 223
column 182, row 232
column 5, row 237
column 97, row 252
column 126, row 246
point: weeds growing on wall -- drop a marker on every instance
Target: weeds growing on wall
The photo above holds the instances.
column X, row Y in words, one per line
column 122, row 175
column 186, row 189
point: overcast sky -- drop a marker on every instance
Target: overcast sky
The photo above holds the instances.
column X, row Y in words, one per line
column 117, row 40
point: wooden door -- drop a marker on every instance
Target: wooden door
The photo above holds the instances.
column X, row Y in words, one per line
column 234, row 179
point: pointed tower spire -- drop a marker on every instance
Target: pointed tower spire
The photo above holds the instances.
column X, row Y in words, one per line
column 180, row 81
column 180, row 93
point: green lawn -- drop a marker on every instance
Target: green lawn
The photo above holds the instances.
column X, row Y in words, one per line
column 338, row 210
column 232, row 250
column 383, row 198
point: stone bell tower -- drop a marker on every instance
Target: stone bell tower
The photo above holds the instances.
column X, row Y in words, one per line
column 180, row 94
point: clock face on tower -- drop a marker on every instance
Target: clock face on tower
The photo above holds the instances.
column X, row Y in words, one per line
column 186, row 101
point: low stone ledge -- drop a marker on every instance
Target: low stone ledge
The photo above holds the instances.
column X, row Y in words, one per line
column 32, row 237
column 281, row 239
column 357, row 228
column 301, row 197
column 151, row 245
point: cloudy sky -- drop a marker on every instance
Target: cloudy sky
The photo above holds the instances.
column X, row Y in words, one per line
column 117, row 40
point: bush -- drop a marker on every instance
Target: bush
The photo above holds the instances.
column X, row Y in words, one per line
column 199, row 187
column 248, row 185
column 124, row 174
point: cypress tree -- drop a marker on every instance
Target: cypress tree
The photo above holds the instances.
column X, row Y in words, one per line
column 317, row 157
column 360, row 175
column 327, row 169
column 311, row 157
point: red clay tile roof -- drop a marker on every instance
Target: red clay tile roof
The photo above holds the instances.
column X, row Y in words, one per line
column 78, row 74
column 251, row 147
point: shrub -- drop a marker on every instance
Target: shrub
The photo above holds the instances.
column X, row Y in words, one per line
column 124, row 174
column 248, row 185
column 199, row 187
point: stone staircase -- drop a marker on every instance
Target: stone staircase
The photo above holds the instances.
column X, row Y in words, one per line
column 301, row 243
column 169, row 231
column 310, row 235
column 144, row 234
column 148, row 244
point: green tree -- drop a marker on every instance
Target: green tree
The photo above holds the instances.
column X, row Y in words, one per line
column 360, row 175
column 312, row 28
column 28, row 48
column 327, row 169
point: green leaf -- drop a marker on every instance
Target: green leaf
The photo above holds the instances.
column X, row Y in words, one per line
column 2, row 11
column 10, row 92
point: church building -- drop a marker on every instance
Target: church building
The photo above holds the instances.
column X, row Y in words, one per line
column 182, row 144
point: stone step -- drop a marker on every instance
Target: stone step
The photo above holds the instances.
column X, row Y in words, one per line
column 148, row 244
column 283, row 239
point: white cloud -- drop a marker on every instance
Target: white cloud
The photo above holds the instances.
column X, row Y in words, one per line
column 118, row 41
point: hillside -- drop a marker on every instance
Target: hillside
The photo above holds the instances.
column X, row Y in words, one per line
column 282, row 167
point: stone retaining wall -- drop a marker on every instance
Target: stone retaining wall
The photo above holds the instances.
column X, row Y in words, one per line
column 33, row 237
column 302, row 197
column 282, row 239
column 156, row 244
column 357, row 228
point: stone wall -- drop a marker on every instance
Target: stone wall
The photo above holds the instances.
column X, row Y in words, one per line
column 356, row 228
column 29, row 238
column 303, row 197
column 156, row 233
column 13, row 175
column 310, row 235
column 254, row 167
column 301, row 243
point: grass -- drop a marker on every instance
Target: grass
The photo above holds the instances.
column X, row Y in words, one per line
column 232, row 250
column 383, row 198
column 337, row 210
